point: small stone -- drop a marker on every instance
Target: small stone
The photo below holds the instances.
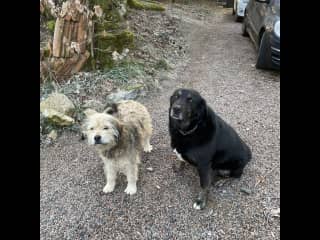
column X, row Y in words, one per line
column 150, row 169
column 95, row 104
column 53, row 135
column 157, row 186
column 122, row 95
column 58, row 118
column 275, row 212
column 59, row 103
column 246, row 190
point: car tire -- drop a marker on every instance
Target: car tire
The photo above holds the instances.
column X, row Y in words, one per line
column 237, row 18
column 264, row 60
column 244, row 27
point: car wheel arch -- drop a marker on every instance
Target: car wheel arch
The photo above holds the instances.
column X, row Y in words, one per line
column 262, row 31
column 264, row 51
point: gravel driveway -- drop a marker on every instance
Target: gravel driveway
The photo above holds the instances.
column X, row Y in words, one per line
column 72, row 205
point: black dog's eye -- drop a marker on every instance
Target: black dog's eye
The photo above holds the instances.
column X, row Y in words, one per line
column 106, row 128
column 189, row 99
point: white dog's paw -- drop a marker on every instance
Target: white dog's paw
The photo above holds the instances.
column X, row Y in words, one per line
column 148, row 148
column 108, row 188
column 131, row 189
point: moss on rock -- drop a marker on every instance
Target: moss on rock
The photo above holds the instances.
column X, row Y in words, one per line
column 110, row 9
column 45, row 52
column 50, row 25
column 110, row 35
column 107, row 25
column 137, row 4
column 106, row 43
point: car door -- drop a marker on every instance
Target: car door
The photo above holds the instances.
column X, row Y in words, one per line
column 255, row 18
column 251, row 15
column 260, row 13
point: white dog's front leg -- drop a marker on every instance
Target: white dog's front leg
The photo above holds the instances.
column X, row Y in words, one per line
column 147, row 146
column 111, row 178
column 132, row 177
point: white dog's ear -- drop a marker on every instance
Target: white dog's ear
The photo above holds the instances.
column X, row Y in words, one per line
column 111, row 109
column 88, row 112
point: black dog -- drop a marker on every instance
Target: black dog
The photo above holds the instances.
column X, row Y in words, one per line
column 203, row 139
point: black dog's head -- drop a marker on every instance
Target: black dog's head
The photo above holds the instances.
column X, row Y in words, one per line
column 187, row 108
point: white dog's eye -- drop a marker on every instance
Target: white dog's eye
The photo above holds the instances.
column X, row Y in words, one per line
column 106, row 128
column 91, row 128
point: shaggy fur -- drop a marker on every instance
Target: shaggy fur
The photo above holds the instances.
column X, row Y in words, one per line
column 119, row 134
column 203, row 139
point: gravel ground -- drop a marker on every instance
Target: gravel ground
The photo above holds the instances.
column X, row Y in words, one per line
column 72, row 205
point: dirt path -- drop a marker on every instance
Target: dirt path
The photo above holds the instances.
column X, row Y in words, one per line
column 220, row 67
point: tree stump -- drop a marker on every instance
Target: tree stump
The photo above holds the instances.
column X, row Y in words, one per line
column 70, row 39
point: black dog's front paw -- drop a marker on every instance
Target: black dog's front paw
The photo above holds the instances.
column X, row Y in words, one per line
column 199, row 204
column 201, row 200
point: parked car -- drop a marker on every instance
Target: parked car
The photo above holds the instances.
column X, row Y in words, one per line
column 238, row 9
column 262, row 23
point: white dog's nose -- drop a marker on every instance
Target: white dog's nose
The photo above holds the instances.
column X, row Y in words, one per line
column 97, row 138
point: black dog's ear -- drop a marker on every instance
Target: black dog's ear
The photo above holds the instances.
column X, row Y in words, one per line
column 111, row 109
column 203, row 108
column 171, row 99
column 175, row 93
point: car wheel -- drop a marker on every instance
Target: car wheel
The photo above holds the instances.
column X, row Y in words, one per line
column 264, row 60
column 237, row 18
column 244, row 27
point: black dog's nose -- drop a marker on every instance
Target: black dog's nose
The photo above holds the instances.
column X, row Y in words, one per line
column 176, row 109
column 97, row 138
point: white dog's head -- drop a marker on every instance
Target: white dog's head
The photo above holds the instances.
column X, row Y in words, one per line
column 101, row 129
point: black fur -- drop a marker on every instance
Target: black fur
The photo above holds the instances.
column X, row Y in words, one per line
column 213, row 145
